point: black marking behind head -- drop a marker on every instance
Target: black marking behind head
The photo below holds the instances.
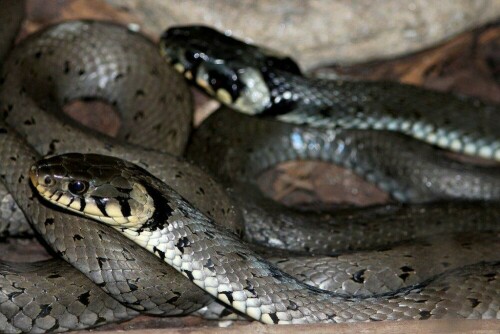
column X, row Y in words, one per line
column 222, row 58
column 162, row 211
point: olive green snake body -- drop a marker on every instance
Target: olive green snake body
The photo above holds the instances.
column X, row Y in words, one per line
column 72, row 60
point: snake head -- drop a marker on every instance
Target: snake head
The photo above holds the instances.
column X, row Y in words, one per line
column 101, row 187
column 234, row 72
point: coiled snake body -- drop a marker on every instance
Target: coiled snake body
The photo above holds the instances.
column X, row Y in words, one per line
column 69, row 61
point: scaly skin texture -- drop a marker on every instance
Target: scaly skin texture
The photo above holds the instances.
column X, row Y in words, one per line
column 114, row 264
column 411, row 171
column 257, row 81
column 122, row 68
column 12, row 220
column 129, row 274
column 49, row 70
column 53, row 296
column 219, row 263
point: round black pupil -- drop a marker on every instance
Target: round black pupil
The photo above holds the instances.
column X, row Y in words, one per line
column 47, row 180
column 76, row 187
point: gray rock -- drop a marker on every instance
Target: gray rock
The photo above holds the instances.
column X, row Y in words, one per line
column 319, row 32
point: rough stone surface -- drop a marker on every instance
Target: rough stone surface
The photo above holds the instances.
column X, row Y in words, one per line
column 319, row 32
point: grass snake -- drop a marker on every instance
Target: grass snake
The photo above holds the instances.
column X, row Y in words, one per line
column 115, row 278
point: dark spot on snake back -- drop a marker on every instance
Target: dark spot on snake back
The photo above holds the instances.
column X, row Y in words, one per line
column 358, row 276
column 132, row 286
column 52, row 146
column 292, row 306
column 15, row 294
column 404, row 276
column 474, row 302
column 174, row 298
column 49, row 221
column 209, row 265
column 406, row 269
column 44, row 310
column 77, row 237
column 100, row 261
column 128, row 256
column 54, row 276
column 30, row 121
column 182, row 243
column 84, row 298
column 250, row 288
column 425, row 315
column 61, row 253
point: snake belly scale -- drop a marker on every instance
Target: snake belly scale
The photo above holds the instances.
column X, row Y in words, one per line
column 114, row 277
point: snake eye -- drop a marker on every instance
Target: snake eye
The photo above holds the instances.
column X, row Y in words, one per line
column 77, row 187
column 48, row 180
